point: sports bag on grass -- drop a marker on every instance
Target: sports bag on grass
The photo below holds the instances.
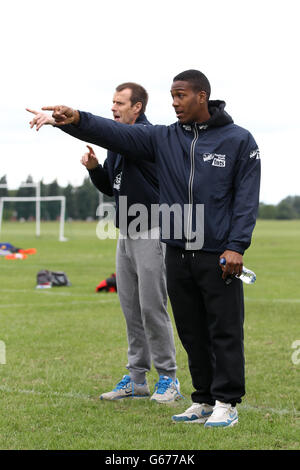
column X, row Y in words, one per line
column 47, row 278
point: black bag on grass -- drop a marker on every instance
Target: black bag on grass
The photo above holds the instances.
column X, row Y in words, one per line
column 53, row 278
column 59, row 278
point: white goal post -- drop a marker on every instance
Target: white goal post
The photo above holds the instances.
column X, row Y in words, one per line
column 38, row 200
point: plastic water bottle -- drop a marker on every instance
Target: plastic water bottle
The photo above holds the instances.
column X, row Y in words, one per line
column 247, row 276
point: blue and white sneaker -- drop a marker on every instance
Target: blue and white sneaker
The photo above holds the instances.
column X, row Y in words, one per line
column 223, row 415
column 126, row 388
column 166, row 390
column 197, row 413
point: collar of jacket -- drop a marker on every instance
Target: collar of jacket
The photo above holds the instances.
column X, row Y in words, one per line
column 218, row 117
column 142, row 119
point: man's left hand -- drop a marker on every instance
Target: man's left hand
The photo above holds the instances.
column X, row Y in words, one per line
column 234, row 263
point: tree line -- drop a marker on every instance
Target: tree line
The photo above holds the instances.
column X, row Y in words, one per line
column 82, row 202
column 287, row 208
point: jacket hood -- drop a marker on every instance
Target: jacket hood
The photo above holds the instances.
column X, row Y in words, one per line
column 219, row 117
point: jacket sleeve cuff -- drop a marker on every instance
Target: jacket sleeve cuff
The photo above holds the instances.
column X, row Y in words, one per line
column 238, row 247
column 95, row 170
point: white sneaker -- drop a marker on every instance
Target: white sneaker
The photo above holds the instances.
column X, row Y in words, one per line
column 127, row 389
column 166, row 390
column 224, row 415
column 197, row 413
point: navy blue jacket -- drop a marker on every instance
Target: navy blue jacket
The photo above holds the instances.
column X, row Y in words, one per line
column 215, row 163
column 134, row 178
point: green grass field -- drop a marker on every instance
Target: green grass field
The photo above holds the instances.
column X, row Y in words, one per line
column 66, row 345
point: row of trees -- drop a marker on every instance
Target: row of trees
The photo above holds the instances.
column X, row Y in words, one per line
column 288, row 208
column 82, row 202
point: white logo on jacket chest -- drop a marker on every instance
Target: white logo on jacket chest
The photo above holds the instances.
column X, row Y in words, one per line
column 216, row 159
column 117, row 181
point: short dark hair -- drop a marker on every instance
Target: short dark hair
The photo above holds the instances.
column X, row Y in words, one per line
column 197, row 79
column 138, row 94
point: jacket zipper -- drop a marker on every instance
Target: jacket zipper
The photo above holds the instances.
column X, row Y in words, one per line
column 191, row 182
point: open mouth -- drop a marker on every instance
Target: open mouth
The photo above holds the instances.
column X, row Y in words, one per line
column 117, row 117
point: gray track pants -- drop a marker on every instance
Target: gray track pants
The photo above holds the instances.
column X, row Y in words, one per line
column 141, row 283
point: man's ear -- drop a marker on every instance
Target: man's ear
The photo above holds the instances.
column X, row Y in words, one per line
column 202, row 96
column 137, row 107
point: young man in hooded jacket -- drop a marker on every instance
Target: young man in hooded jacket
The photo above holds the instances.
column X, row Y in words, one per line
column 210, row 169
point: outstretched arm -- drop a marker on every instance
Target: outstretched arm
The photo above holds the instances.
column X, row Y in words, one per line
column 132, row 141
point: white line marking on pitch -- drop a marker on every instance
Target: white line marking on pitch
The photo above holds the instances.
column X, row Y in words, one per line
column 292, row 301
column 4, row 388
column 82, row 396
column 73, row 294
column 51, row 291
column 75, row 302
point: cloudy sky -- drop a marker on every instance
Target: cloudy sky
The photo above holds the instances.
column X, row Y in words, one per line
column 75, row 52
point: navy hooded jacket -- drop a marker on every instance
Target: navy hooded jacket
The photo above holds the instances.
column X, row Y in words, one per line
column 215, row 164
column 134, row 178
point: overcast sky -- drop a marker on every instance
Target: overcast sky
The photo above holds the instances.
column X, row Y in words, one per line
column 75, row 53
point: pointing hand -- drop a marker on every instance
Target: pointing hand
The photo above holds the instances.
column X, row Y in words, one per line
column 63, row 114
column 40, row 119
column 89, row 159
